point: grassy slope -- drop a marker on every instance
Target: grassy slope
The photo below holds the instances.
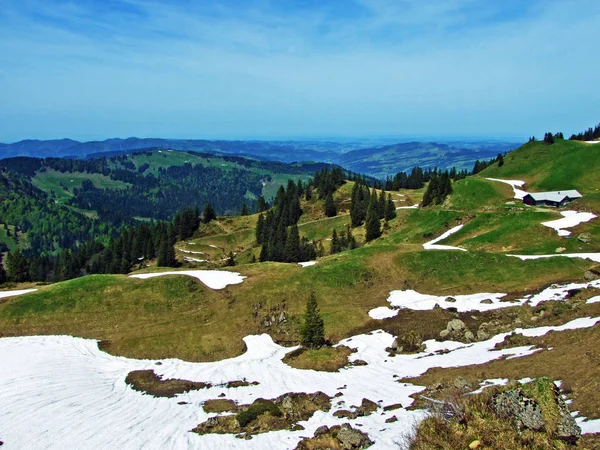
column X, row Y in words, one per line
column 63, row 183
column 563, row 165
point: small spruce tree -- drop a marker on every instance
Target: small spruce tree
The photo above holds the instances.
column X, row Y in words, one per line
column 313, row 331
column 330, row 210
column 372, row 223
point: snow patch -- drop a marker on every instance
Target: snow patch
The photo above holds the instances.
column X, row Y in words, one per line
column 408, row 207
column 410, row 299
column 432, row 245
column 570, row 219
column 515, row 184
column 214, row 279
column 593, row 300
column 4, row 294
column 190, row 259
column 307, row 263
column 591, row 256
column 191, row 252
column 383, row 312
column 60, row 391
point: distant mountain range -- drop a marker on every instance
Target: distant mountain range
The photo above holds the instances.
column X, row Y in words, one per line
column 375, row 160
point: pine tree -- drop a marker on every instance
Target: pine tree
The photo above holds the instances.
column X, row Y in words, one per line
column 261, row 205
column 313, row 330
column 500, row 160
column 17, row 269
column 335, row 244
column 260, row 229
column 230, row 262
column 381, row 205
column 209, row 213
column 244, row 211
column 330, row 210
column 390, row 208
column 372, row 223
column 292, row 245
column 2, row 271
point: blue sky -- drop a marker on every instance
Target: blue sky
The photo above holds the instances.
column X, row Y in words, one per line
column 96, row 69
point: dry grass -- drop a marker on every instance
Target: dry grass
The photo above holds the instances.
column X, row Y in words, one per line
column 148, row 382
column 327, row 359
column 475, row 421
column 574, row 358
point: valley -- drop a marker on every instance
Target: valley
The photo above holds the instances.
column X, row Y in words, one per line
column 479, row 283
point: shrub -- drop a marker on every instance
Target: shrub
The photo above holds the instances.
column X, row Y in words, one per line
column 258, row 408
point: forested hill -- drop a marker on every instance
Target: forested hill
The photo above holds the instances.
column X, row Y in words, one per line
column 376, row 157
column 53, row 203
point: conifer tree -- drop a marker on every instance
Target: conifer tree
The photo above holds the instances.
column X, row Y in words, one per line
column 209, row 213
column 17, row 269
column 381, row 205
column 292, row 245
column 313, row 330
column 261, row 204
column 335, row 244
column 2, row 271
column 260, row 229
column 390, row 208
column 230, row 262
column 244, row 211
column 330, row 210
column 372, row 223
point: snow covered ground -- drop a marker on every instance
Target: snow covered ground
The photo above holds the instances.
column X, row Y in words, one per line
column 432, row 245
column 214, row 279
column 190, row 251
column 591, row 256
column 383, row 312
column 307, row 263
column 515, row 184
column 570, row 219
column 408, row 207
column 4, row 294
column 63, row 392
column 414, row 300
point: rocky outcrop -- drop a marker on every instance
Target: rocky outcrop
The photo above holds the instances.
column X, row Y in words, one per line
column 337, row 437
column 539, row 407
column 524, row 411
column 281, row 413
column 586, row 238
column 366, row 408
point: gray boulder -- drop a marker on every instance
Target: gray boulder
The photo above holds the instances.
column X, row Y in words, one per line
column 521, row 409
column 461, row 383
column 455, row 325
column 482, row 335
column 444, row 334
column 469, row 336
column 586, row 238
column 352, row 439
column 590, row 276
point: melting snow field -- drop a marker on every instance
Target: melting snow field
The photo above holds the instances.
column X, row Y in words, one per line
column 307, row 263
column 414, row 300
column 214, row 279
column 570, row 219
column 591, row 256
column 515, row 184
column 408, row 207
column 63, row 392
column 432, row 245
column 4, row 294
